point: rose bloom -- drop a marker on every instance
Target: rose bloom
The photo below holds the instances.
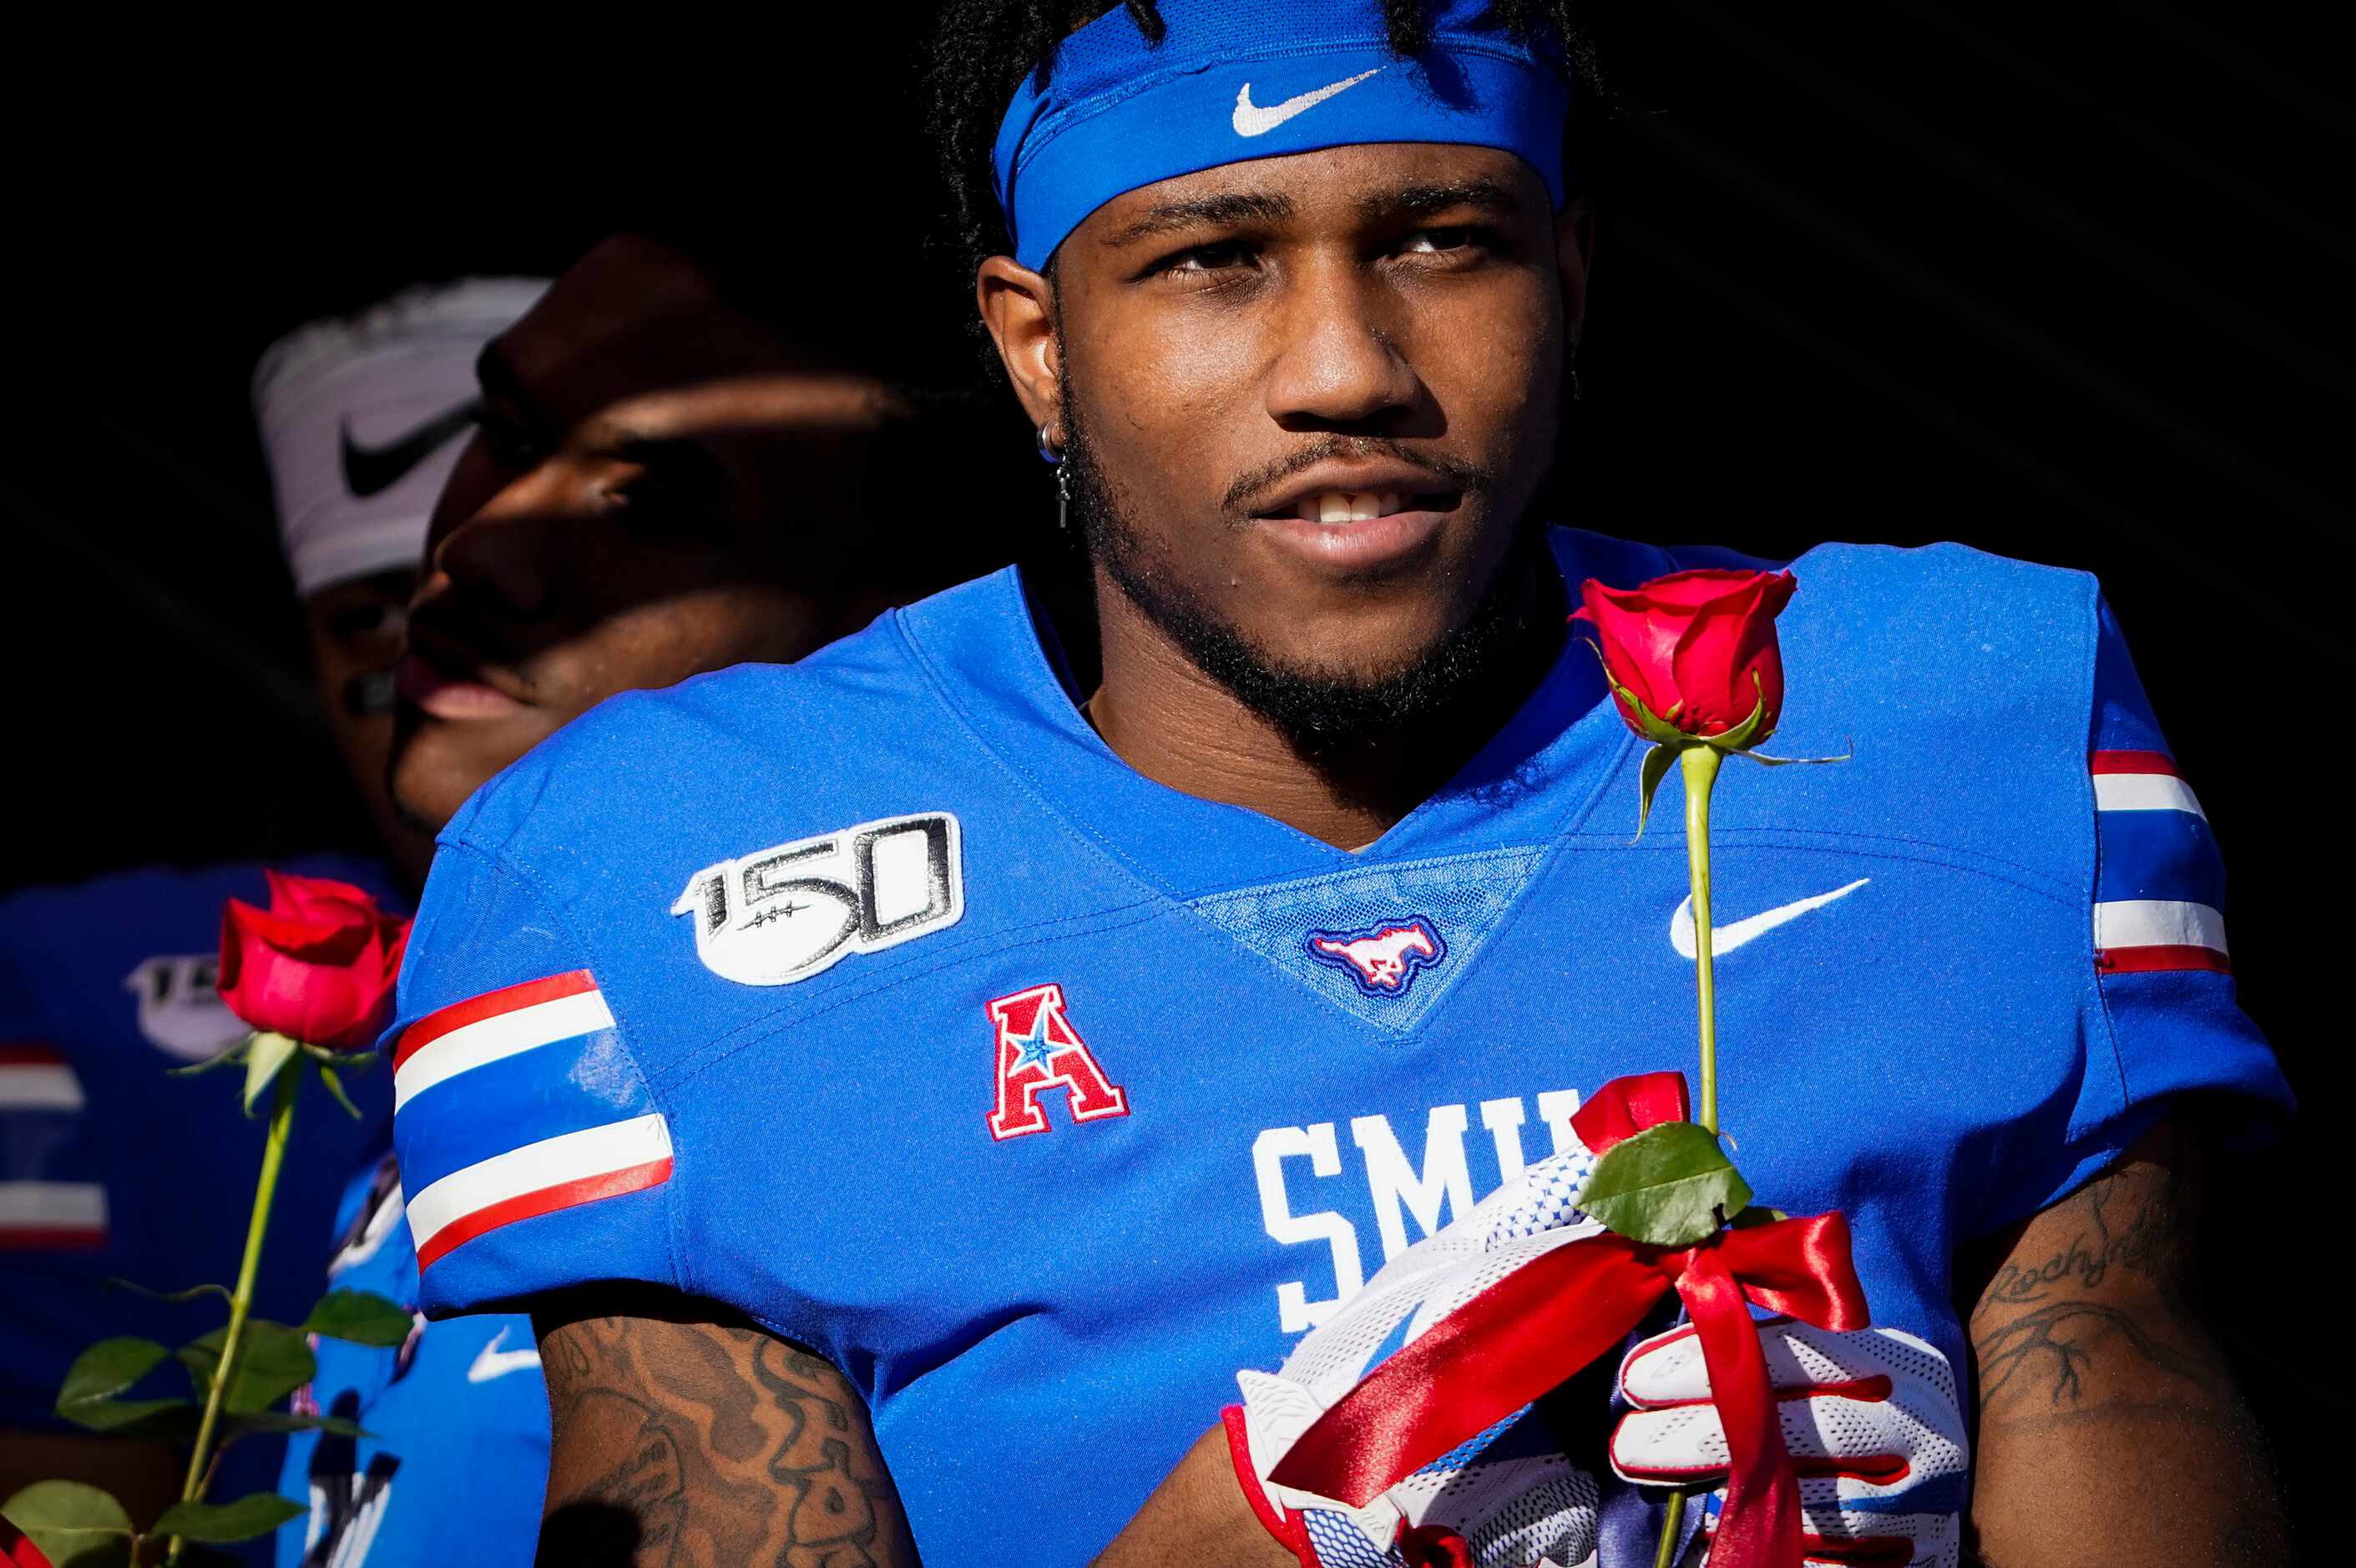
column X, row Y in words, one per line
column 318, row 965
column 1697, row 647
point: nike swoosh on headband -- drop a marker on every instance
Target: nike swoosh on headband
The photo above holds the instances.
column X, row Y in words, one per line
column 1724, row 940
column 491, row 1362
column 1251, row 120
column 370, row 470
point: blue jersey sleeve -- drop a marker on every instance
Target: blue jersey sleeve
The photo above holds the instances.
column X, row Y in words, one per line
column 532, row 1152
column 2160, row 1019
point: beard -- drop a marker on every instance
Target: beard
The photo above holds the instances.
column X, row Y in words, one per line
column 1319, row 710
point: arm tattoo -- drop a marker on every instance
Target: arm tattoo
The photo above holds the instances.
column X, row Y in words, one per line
column 697, row 1445
column 2133, row 1223
column 2112, row 1285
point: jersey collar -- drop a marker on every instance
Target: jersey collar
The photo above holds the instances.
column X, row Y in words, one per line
column 990, row 651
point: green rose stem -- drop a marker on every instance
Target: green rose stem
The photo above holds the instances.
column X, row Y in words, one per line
column 1699, row 764
column 265, row 1191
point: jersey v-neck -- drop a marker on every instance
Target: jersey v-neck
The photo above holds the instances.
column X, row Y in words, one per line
column 1540, row 771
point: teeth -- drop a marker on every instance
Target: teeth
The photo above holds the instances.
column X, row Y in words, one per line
column 1349, row 506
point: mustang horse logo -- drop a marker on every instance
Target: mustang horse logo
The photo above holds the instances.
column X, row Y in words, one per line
column 1382, row 958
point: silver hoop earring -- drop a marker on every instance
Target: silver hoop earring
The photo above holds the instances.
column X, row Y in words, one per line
column 1047, row 451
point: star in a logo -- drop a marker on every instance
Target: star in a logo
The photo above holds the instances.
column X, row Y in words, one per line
column 1033, row 1048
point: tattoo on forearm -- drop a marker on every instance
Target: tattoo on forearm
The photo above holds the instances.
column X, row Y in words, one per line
column 722, row 1446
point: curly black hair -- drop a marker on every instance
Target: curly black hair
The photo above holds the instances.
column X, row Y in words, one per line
column 982, row 48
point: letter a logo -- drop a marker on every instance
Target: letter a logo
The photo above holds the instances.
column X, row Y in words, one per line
column 1038, row 1048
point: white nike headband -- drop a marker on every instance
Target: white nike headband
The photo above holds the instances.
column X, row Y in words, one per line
column 362, row 418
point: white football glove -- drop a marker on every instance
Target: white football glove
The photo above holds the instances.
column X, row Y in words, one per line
column 1872, row 1420
column 1510, row 1493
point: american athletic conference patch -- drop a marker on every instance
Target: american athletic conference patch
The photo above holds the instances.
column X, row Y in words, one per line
column 1037, row 1049
column 1384, row 958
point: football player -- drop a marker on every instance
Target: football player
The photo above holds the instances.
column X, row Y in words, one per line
column 908, row 1088
column 110, row 1167
column 667, row 478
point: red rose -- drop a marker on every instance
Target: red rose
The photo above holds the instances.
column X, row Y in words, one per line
column 1696, row 648
column 318, row 965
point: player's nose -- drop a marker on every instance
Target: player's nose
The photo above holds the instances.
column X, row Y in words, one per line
column 1336, row 366
column 502, row 548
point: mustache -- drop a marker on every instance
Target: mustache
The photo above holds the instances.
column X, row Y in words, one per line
column 1458, row 474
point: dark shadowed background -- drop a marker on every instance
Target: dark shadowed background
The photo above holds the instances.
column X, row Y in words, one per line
column 2060, row 281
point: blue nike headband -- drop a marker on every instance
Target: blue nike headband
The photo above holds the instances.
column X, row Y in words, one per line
column 1234, row 80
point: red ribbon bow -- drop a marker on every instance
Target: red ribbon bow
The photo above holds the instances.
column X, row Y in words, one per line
column 1541, row 1324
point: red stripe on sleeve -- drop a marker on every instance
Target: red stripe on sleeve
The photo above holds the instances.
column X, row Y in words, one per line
column 2132, row 762
column 2144, row 961
column 30, row 1056
column 547, row 1200
column 50, row 1239
column 490, row 1004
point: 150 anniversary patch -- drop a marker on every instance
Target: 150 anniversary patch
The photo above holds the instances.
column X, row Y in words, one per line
column 786, row 913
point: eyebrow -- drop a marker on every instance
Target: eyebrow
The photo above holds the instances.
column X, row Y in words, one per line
column 1241, row 207
column 1421, row 200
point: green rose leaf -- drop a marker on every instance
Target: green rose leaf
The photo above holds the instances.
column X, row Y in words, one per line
column 257, row 1513
column 335, row 1084
column 233, row 1056
column 270, row 1053
column 272, row 1422
column 119, row 1282
column 87, row 1397
column 361, row 1317
column 1669, row 1186
column 272, row 1362
column 75, row 1526
column 1657, row 763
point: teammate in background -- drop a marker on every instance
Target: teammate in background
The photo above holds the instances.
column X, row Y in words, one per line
column 109, row 1167
column 908, row 1087
column 668, row 479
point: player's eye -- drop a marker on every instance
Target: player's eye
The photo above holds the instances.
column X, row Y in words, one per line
column 1459, row 241
column 1202, row 263
column 367, row 618
column 656, row 512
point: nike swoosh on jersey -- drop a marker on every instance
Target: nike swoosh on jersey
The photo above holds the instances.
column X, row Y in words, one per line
column 1251, row 120
column 1724, row 940
column 491, row 1362
column 370, row 470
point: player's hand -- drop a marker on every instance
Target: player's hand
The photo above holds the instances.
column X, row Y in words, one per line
column 1870, row 1417
column 1516, row 1498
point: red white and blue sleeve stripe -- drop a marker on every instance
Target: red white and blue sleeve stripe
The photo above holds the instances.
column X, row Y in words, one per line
column 518, row 1105
column 40, row 1104
column 2159, row 881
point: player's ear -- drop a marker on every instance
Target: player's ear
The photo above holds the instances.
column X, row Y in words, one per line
column 1018, row 306
column 1574, row 253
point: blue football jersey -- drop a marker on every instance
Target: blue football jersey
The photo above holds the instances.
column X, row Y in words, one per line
column 110, row 1167
column 455, row 1461
column 877, row 998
